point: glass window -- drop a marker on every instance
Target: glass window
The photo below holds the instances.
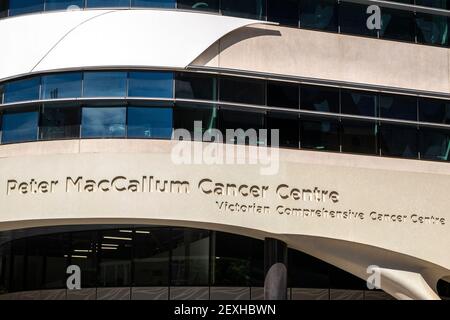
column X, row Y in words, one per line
column 283, row 11
column 305, row 271
column 55, row 249
column 249, row 122
column 63, row 4
column 319, row 14
column 340, row 279
column 115, row 258
column 105, row 84
column 1, row 93
column 107, row 3
column 242, row 90
column 19, row 126
column 84, row 249
column 434, row 110
column 252, row 9
column 151, row 256
column 103, row 122
column 60, row 122
column 25, row 6
column 149, row 122
column 190, row 257
column 206, row 5
column 321, row 99
column 151, row 84
column 432, row 29
column 196, row 86
column 359, row 137
column 353, row 19
column 397, row 24
column 434, row 144
column 185, row 116
column 288, row 127
column 34, row 264
column 284, row 95
column 22, row 90
column 153, row 3
column 319, row 133
column 361, row 103
column 3, row 8
column 398, row 107
column 18, row 265
column 398, row 141
column 443, row 4
column 60, row 86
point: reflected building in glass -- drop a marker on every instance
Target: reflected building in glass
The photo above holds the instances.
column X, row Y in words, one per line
column 99, row 91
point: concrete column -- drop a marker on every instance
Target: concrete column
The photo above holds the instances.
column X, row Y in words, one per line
column 275, row 269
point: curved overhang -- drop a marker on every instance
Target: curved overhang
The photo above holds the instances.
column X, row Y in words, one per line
column 108, row 39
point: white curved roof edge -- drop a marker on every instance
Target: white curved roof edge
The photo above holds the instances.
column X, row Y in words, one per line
column 109, row 39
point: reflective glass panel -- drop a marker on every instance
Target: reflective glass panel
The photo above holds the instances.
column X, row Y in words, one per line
column 359, row 137
column 321, row 99
column 284, row 12
column 149, row 122
column 105, row 84
column 25, row 6
column 361, row 103
column 242, row 90
column 107, row 3
column 353, row 19
column 63, row 4
column 103, row 122
column 284, row 95
column 206, row 5
column 434, row 144
column 319, row 133
column 22, row 90
column 432, row 29
column 60, row 122
column 151, row 84
column 19, row 126
column 60, row 86
column 434, row 110
column 55, row 249
column 442, row 4
column 399, row 141
column 3, row 8
column 397, row 24
column 185, row 116
column 34, row 263
column 249, row 122
column 305, row 271
column 398, row 107
column 84, row 249
column 288, row 129
column 196, row 86
column 252, row 9
column 319, row 14
column 153, row 3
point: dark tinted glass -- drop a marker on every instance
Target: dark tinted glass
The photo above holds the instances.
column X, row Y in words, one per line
column 103, row 122
column 207, row 5
column 25, row 6
column 398, row 107
column 107, row 3
column 442, row 4
column 283, row 11
column 18, row 265
column 253, row 9
column 305, row 271
column 242, row 90
column 105, row 84
column 153, row 3
column 359, row 137
column 288, row 129
column 340, row 279
column 353, row 19
column 432, row 29
column 149, row 122
column 284, row 95
column 22, row 90
column 19, row 126
column 62, row 4
column 59, row 86
column 433, row 110
column 319, row 99
column 34, row 263
column 196, row 86
column 84, row 249
column 319, row 133
column 151, row 256
column 399, row 141
column 55, row 249
column 397, row 24
column 248, row 121
column 60, row 122
column 318, row 14
column 2, row 90
column 190, row 257
column 359, row 103
column 115, row 261
column 3, row 8
column 185, row 116
column 150, row 84
column 434, row 144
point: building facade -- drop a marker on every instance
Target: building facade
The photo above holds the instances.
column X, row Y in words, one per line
column 201, row 149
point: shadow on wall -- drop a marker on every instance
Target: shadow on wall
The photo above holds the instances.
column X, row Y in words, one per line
column 239, row 35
